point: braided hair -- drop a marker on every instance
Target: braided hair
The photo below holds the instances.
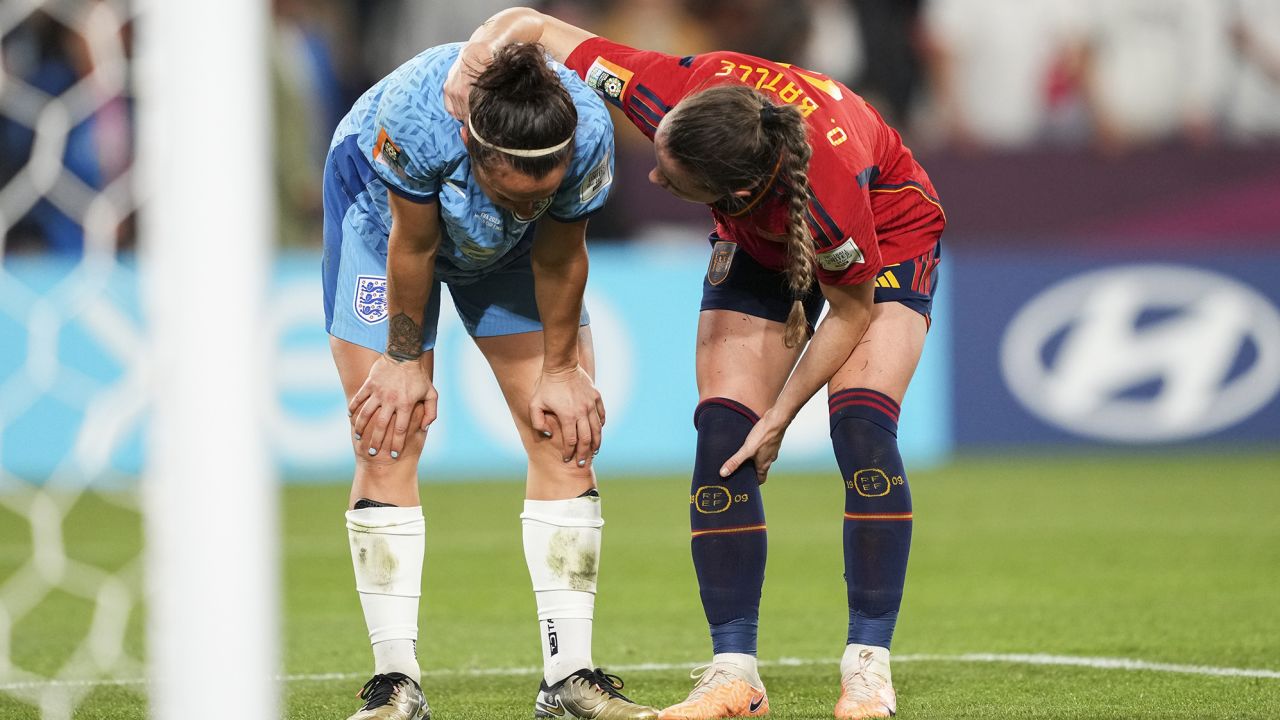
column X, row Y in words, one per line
column 732, row 138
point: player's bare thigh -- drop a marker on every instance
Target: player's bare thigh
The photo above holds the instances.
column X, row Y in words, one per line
column 888, row 353
column 743, row 358
column 379, row 477
column 516, row 361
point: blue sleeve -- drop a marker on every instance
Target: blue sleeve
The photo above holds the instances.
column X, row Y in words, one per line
column 408, row 139
column 586, row 187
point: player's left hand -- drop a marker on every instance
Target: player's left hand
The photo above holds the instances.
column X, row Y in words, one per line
column 761, row 446
column 571, row 397
column 472, row 60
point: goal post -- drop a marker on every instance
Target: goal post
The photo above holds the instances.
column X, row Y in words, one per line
column 209, row 491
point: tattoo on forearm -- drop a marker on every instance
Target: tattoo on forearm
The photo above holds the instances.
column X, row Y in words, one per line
column 404, row 338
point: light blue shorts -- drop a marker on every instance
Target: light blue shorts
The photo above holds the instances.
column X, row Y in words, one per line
column 501, row 302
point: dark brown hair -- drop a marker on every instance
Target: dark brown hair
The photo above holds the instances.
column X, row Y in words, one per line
column 732, row 138
column 518, row 102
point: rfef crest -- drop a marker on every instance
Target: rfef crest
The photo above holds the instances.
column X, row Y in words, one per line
column 872, row 482
column 371, row 298
column 721, row 261
column 711, row 499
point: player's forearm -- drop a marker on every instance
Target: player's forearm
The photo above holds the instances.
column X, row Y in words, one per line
column 410, row 271
column 525, row 25
column 560, row 278
column 518, row 24
column 832, row 344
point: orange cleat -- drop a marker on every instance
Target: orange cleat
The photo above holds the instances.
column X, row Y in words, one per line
column 725, row 689
column 866, row 686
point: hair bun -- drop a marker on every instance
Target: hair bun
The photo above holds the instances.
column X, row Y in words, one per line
column 768, row 113
column 519, row 72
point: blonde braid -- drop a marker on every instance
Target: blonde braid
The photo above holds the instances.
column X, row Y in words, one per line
column 786, row 123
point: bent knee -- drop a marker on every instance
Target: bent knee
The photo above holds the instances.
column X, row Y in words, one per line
column 383, row 471
column 553, row 479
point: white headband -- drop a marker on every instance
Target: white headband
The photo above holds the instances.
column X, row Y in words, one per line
column 518, row 153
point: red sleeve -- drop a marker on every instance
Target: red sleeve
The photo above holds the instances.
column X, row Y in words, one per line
column 842, row 224
column 645, row 85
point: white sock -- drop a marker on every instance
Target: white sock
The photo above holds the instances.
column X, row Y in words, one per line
column 745, row 662
column 562, row 550
column 852, row 658
column 740, row 660
column 387, row 545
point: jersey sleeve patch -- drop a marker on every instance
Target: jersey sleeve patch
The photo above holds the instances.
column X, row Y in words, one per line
column 599, row 178
column 608, row 79
column 389, row 155
column 841, row 257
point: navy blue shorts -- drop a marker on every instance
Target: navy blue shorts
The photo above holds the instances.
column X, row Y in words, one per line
column 735, row 281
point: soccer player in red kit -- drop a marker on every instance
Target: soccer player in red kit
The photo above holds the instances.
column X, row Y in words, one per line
column 815, row 200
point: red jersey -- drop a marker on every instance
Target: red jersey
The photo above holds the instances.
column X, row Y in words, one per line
column 872, row 204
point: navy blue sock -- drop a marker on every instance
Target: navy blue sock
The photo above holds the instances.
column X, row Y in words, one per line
column 877, row 511
column 727, row 519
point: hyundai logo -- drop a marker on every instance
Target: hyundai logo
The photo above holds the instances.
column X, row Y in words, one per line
column 1144, row 353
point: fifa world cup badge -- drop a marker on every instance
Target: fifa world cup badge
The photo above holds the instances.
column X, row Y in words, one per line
column 721, row 261
column 610, row 79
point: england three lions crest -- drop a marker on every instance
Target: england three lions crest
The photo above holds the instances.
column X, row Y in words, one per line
column 371, row 298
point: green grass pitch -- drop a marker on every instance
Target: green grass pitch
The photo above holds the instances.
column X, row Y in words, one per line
column 1165, row 559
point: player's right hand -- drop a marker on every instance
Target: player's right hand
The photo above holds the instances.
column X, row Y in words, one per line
column 383, row 409
column 472, row 60
column 566, row 404
column 760, row 447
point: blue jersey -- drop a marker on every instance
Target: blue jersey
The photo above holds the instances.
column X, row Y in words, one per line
column 399, row 138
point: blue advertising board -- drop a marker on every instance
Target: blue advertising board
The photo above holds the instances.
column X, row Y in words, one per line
column 74, row 367
column 1117, row 348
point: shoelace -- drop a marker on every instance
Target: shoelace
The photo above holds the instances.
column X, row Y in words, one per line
column 706, row 676
column 378, row 691
column 866, row 688
column 607, row 683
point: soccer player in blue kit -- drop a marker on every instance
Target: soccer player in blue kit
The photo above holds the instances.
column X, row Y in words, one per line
column 496, row 208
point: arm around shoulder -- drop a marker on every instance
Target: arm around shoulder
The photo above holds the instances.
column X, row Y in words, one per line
column 522, row 24
column 518, row 24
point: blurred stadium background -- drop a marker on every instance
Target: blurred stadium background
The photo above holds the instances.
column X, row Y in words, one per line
column 1095, row 429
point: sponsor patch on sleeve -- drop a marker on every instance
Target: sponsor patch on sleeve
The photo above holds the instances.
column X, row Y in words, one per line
column 608, row 79
column 387, row 153
column 596, row 180
column 841, row 257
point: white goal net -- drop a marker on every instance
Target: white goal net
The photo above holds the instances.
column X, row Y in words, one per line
column 108, row 417
column 66, row 207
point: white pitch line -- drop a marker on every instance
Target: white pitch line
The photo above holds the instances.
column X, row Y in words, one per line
column 1095, row 663
column 1014, row 659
